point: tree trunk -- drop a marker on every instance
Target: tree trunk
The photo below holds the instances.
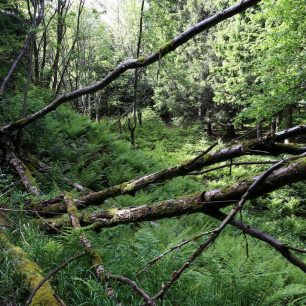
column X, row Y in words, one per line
column 273, row 126
column 204, row 201
column 139, row 114
column 230, row 131
column 257, row 146
column 288, row 116
column 209, row 129
column 258, row 130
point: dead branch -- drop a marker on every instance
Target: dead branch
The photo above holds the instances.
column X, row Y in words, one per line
column 178, row 246
column 282, row 248
column 202, row 160
column 216, row 233
column 133, row 285
column 50, row 274
column 237, row 164
column 97, row 263
column 134, row 63
column 201, row 202
column 19, row 167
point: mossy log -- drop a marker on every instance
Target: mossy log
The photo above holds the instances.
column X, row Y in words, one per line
column 19, row 167
column 265, row 145
column 86, row 243
column 31, row 274
column 201, row 202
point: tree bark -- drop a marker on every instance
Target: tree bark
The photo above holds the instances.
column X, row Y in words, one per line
column 206, row 201
column 31, row 274
column 24, row 50
column 257, row 147
column 258, row 130
column 288, row 116
column 135, row 63
column 17, row 165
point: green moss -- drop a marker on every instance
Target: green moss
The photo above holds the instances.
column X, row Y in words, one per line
column 165, row 48
column 31, row 274
column 141, row 59
column 112, row 211
column 30, row 177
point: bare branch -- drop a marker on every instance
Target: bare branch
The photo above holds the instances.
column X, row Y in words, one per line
column 203, row 160
column 50, row 274
column 215, row 233
column 201, row 202
column 177, row 246
column 135, row 63
column 283, row 249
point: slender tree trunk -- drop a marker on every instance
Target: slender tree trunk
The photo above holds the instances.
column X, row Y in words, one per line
column 139, row 113
column 288, row 116
column 230, row 131
column 209, row 129
column 273, row 126
column 258, row 130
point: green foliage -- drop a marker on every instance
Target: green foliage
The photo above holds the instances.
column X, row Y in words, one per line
column 253, row 62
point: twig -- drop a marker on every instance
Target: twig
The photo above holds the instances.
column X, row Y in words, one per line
column 178, row 246
column 215, row 233
column 204, row 152
column 283, row 249
column 50, row 274
column 101, row 272
column 133, row 285
column 237, row 164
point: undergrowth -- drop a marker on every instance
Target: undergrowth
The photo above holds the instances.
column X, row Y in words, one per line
column 96, row 155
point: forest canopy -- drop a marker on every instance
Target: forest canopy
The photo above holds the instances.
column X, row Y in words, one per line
column 152, row 152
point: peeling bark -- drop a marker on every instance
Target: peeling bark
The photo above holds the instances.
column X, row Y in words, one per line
column 257, row 147
column 201, row 202
column 17, row 165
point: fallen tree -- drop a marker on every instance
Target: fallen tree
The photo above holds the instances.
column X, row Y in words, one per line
column 7, row 130
column 263, row 146
column 30, row 272
column 208, row 202
column 201, row 202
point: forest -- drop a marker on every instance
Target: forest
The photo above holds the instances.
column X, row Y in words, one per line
column 152, row 152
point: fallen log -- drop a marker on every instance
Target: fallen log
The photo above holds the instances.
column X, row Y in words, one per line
column 262, row 146
column 203, row 202
column 101, row 273
column 19, row 167
column 31, row 274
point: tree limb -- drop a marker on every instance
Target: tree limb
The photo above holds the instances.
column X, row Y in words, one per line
column 201, row 202
column 24, row 49
column 203, row 160
column 134, row 63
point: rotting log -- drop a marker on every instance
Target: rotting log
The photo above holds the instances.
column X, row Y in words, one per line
column 19, row 167
column 97, row 263
column 203, row 202
column 265, row 145
column 134, row 63
column 30, row 272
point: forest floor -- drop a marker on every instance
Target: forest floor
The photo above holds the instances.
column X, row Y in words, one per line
column 96, row 155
